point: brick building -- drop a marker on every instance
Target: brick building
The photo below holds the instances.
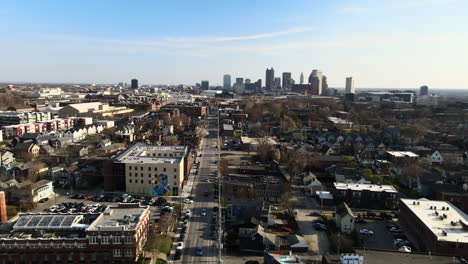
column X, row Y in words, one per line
column 437, row 226
column 115, row 236
column 372, row 196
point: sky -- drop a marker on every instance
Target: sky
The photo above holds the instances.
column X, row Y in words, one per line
column 383, row 44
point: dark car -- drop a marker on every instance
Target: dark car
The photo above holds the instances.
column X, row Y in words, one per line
column 252, row 262
column 199, row 251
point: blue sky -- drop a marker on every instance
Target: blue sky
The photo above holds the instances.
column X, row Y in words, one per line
column 384, row 44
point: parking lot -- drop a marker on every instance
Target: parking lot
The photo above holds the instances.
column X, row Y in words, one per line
column 382, row 237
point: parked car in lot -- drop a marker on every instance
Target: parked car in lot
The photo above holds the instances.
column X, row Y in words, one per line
column 203, row 212
column 188, row 201
column 285, row 229
column 320, row 227
column 366, row 232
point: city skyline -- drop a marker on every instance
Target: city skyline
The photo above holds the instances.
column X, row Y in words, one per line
column 396, row 44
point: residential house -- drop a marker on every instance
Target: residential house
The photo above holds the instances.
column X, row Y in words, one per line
column 60, row 143
column 444, row 156
column 312, row 184
column 344, row 218
column 7, row 160
column 35, row 191
column 256, row 239
column 26, row 150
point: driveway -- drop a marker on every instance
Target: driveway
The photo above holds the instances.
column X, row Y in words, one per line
column 318, row 240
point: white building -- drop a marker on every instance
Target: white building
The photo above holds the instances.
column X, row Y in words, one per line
column 350, row 85
column 344, row 218
column 153, row 170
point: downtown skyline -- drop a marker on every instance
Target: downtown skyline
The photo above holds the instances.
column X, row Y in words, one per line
column 397, row 44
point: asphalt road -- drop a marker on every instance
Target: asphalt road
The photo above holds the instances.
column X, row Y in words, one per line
column 198, row 231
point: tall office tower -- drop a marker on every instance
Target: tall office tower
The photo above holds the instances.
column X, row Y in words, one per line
column 205, row 85
column 315, row 79
column 277, row 84
column 134, row 84
column 239, row 80
column 269, row 79
column 424, row 90
column 227, row 82
column 350, row 85
column 324, row 85
column 301, row 80
column 3, row 208
column 286, row 80
column 247, row 81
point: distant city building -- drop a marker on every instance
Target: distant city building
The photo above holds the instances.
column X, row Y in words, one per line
column 239, row 86
column 205, row 85
column 315, row 79
column 247, row 81
column 269, row 79
column 239, row 80
column 350, row 85
column 134, row 84
column 424, row 90
column 227, row 82
column 286, row 80
column 325, row 86
column 253, row 87
column 277, row 84
column 301, row 80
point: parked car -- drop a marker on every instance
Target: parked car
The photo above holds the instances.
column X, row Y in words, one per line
column 180, row 245
column 199, row 251
column 203, row 212
column 188, row 201
column 366, row 232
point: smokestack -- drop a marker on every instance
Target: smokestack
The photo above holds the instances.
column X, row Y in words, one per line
column 3, row 208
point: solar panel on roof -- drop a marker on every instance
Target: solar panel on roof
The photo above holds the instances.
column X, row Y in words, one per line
column 57, row 221
column 68, row 221
column 34, row 221
column 46, row 221
column 23, row 220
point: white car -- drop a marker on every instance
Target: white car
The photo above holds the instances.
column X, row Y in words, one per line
column 366, row 232
column 203, row 212
column 188, row 201
column 180, row 245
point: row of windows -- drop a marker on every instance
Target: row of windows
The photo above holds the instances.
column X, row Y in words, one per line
column 149, row 175
column 149, row 168
column 44, row 245
column 118, row 252
column 107, row 240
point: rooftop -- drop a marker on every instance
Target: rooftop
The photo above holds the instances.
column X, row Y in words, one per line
column 365, row 187
column 147, row 154
column 444, row 219
column 121, row 217
column 401, row 154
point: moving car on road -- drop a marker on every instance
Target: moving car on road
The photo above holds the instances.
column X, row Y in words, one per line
column 180, row 245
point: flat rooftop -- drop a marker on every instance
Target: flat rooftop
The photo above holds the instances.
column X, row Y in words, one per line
column 365, row 187
column 121, row 217
column 143, row 153
column 441, row 217
column 401, row 154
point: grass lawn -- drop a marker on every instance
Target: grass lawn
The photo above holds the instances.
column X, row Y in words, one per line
column 162, row 243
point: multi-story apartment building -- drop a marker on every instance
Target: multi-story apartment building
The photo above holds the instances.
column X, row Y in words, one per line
column 8, row 118
column 437, row 226
column 115, row 236
column 152, row 170
column 373, row 196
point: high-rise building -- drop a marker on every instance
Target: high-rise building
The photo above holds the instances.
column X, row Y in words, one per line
column 301, row 80
column 253, row 87
column 239, row 86
column 269, row 79
column 350, row 85
column 227, row 82
column 325, row 86
column 315, row 79
column 424, row 90
column 134, row 84
column 205, row 85
column 247, row 80
column 239, row 80
column 286, row 80
column 277, row 84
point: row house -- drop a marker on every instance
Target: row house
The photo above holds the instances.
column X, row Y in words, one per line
column 38, row 127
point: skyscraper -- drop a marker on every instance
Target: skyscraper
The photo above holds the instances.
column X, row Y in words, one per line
column 315, row 79
column 134, row 84
column 324, row 85
column 424, row 90
column 269, row 79
column 205, row 85
column 227, row 82
column 277, row 84
column 286, row 80
column 350, row 85
column 301, row 80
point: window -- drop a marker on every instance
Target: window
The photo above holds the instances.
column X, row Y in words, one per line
column 141, row 168
column 128, row 252
column 141, row 174
column 149, row 181
column 130, row 167
column 175, row 169
column 128, row 240
column 156, row 169
column 164, row 169
column 130, row 174
column 93, row 240
column 105, row 240
column 117, row 240
column 141, row 181
column 130, row 181
column 117, row 252
column 149, row 168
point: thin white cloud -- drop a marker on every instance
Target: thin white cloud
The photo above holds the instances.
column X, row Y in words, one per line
column 237, row 38
column 420, row 3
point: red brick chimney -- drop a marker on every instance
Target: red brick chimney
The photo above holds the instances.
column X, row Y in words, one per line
column 3, row 208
